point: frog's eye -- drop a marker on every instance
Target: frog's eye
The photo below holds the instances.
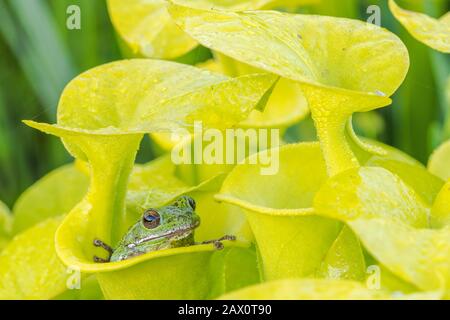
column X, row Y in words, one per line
column 151, row 219
column 192, row 203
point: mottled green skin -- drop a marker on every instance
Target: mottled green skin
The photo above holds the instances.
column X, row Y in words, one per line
column 176, row 229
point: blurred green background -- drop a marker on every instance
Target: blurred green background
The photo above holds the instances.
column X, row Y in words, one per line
column 39, row 55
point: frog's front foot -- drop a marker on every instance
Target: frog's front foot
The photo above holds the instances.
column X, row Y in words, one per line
column 218, row 242
column 101, row 244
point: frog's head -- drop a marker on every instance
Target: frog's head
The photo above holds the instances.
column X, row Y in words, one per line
column 174, row 221
column 178, row 215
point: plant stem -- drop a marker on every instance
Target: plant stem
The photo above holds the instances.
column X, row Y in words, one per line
column 111, row 160
column 335, row 147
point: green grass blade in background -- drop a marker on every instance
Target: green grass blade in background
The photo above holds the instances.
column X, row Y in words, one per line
column 83, row 43
column 441, row 70
column 95, row 43
column 15, row 39
column 32, row 35
column 340, row 8
column 415, row 106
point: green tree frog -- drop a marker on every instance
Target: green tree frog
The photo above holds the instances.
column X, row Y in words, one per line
column 167, row 227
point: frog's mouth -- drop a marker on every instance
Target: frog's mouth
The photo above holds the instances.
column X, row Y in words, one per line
column 174, row 233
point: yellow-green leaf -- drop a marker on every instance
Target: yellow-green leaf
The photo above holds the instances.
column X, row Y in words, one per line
column 388, row 280
column 439, row 163
column 414, row 175
column 420, row 256
column 141, row 96
column 435, row 33
column 233, row 269
column 53, row 195
column 290, row 46
column 162, row 274
column 392, row 222
column 29, row 267
column 370, row 192
column 345, row 259
column 286, row 105
column 410, row 171
column 148, row 29
column 89, row 290
column 220, row 218
column 291, row 239
column 441, row 207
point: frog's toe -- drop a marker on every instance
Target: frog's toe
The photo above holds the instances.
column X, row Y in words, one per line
column 228, row 237
column 100, row 260
column 101, row 244
column 218, row 245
